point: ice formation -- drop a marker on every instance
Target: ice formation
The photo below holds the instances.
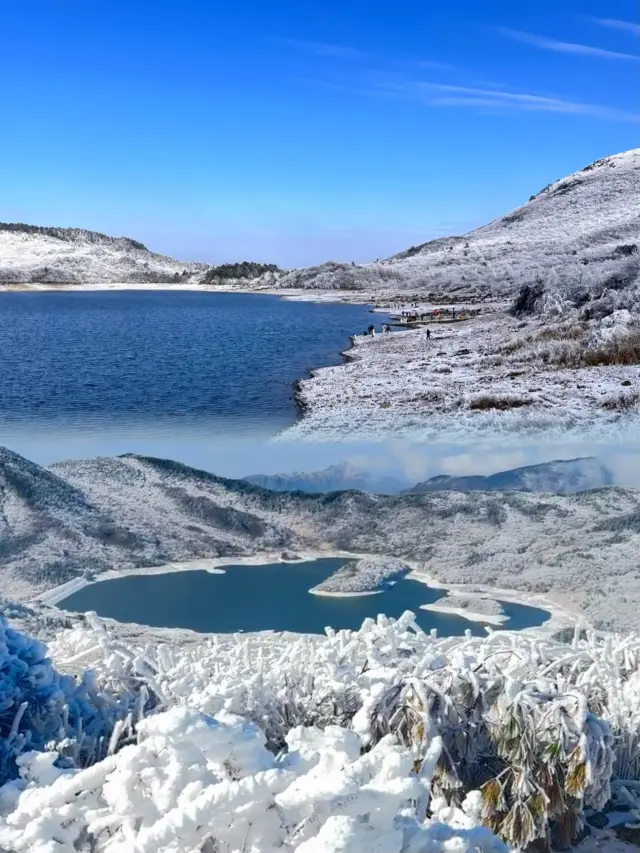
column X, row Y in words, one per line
column 385, row 738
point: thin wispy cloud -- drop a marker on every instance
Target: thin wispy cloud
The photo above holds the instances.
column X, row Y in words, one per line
column 347, row 52
column 433, row 64
column 447, row 95
column 319, row 48
column 566, row 47
column 615, row 24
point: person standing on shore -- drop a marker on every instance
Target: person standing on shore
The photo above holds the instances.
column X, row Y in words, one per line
column 428, row 335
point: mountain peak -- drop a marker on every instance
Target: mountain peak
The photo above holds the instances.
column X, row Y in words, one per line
column 562, row 476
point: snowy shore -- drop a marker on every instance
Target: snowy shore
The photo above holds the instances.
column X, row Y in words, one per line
column 474, row 608
column 562, row 613
column 366, row 576
column 488, row 376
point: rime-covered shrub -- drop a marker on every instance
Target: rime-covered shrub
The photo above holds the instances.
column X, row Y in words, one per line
column 532, row 729
column 40, row 707
column 197, row 783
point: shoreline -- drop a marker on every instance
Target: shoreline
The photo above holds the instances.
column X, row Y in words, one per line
column 472, row 380
column 491, row 376
column 284, row 294
column 465, row 613
column 324, row 594
column 357, row 297
column 213, row 565
column 564, row 611
column 561, row 612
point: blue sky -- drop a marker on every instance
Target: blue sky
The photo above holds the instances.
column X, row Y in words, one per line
column 299, row 132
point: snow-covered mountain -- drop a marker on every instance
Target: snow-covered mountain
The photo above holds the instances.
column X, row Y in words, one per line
column 341, row 477
column 563, row 477
column 577, row 239
column 34, row 254
column 80, row 518
column 558, row 477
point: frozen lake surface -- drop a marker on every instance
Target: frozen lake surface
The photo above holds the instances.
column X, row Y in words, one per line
column 269, row 597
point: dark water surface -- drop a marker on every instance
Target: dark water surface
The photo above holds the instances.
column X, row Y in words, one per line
column 198, row 362
column 276, row 597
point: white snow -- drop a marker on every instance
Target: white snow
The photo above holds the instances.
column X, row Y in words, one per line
column 584, row 216
column 474, row 379
column 366, row 576
column 476, row 609
column 49, row 257
column 257, row 743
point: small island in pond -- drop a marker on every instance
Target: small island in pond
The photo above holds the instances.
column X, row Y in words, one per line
column 471, row 607
column 365, row 576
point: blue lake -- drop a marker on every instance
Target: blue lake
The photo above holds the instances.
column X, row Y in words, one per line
column 195, row 363
column 276, row 597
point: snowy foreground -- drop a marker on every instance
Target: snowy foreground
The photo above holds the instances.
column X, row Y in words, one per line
column 385, row 739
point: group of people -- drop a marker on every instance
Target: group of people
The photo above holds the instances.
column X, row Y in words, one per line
column 386, row 328
column 371, row 331
column 414, row 316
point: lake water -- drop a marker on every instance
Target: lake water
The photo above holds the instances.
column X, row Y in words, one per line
column 194, row 363
column 276, row 597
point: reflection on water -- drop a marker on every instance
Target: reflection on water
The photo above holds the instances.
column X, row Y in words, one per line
column 270, row 597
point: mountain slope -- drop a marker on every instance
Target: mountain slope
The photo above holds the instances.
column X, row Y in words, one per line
column 577, row 236
column 135, row 511
column 561, row 477
column 335, row 478
column 31, row 254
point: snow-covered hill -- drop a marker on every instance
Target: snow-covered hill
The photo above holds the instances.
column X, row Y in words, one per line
column 148, row 512
column 577, row 238
column 33, row 254
column 573, row 244
column 561, row 477
column 335, row 478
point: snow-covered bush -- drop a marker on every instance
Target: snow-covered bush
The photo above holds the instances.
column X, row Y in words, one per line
column 195, row 783
column 39, row 706
column 522, row 730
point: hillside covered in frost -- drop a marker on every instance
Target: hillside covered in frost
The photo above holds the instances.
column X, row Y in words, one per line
column 573, row 244
column 80, row 518
column 575, row 241
column 383, row 739
column 48, row 255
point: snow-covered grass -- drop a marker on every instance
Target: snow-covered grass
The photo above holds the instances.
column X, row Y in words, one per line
column 493, row 375
column 383, row 739
column 574, row 236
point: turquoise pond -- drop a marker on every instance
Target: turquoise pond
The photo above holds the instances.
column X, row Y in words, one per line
column 269, row 597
